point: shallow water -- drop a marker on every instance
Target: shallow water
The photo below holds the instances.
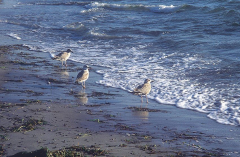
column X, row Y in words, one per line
column 190, row 49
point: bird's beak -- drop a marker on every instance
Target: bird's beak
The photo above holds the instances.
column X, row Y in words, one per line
column 69, row 50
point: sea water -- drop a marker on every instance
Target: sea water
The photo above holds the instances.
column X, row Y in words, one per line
column 191, row 49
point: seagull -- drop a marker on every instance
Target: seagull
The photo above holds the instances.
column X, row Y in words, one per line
column 143, row 89
column 63, row 56
column 83, row 75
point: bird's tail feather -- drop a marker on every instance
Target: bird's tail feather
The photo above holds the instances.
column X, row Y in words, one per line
column 53, row 56
column 135, row 92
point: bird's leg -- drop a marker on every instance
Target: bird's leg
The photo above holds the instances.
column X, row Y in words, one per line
column 83, row 90
column 141, row 99
column 66, row 63
column 147, row 98
column 62, row 63
column 83, row 84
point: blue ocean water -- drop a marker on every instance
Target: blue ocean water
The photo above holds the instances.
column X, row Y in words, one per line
column 189, row 48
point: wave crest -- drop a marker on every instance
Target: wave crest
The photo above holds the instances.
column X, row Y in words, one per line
column 133, row 7
column 75, row 26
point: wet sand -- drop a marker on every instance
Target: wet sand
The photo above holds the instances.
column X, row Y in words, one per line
column 41, row 107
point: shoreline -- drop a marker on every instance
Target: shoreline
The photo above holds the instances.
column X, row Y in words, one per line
column 106, row 118
column 68, row 122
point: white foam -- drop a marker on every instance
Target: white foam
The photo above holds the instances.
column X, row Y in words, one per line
column 15, row 36
column 91, row 10
column 126, row 68
column 139, row 7
column 127, row 73
column 75, row 26
column 164, row 8
column 95, row 33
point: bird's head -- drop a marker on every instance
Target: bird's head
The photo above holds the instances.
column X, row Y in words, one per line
column 148, row 81
column 69, row 50
column 85, row 67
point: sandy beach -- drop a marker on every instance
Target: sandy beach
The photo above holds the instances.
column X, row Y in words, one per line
column 42, row 107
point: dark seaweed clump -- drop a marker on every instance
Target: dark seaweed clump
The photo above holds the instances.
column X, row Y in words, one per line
column 73, row 151
column 29, row 125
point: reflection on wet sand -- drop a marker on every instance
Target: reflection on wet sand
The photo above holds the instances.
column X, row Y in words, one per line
column 64, row 74
column 141, row 114
column 82, row 97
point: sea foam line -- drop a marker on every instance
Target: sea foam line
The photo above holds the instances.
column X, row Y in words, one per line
column 133, row 7
column 168, row 87
column 15, row 36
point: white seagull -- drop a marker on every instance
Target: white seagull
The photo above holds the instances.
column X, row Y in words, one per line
column 143, row 89
column 83, row 76
column 63, row 56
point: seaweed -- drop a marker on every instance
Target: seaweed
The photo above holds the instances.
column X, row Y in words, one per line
column 28, row 126
column 1, row 150
column 7, row 105
column 123, row 127
column 146, row 109
column 73, row 151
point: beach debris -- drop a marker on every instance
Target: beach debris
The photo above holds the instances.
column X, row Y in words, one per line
column 8, row 105
column 3, row 138
column 120, row 126
column 29, row 125
column 135, row 109
column 82, row 135
column 52, row 80
column 123, row 145
column 98, row 94
column 96, row 120
column 65, row 152
column 1, row 150
column 109, row 116
column 149, row 149
column 30, row 101
column 132, row 140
